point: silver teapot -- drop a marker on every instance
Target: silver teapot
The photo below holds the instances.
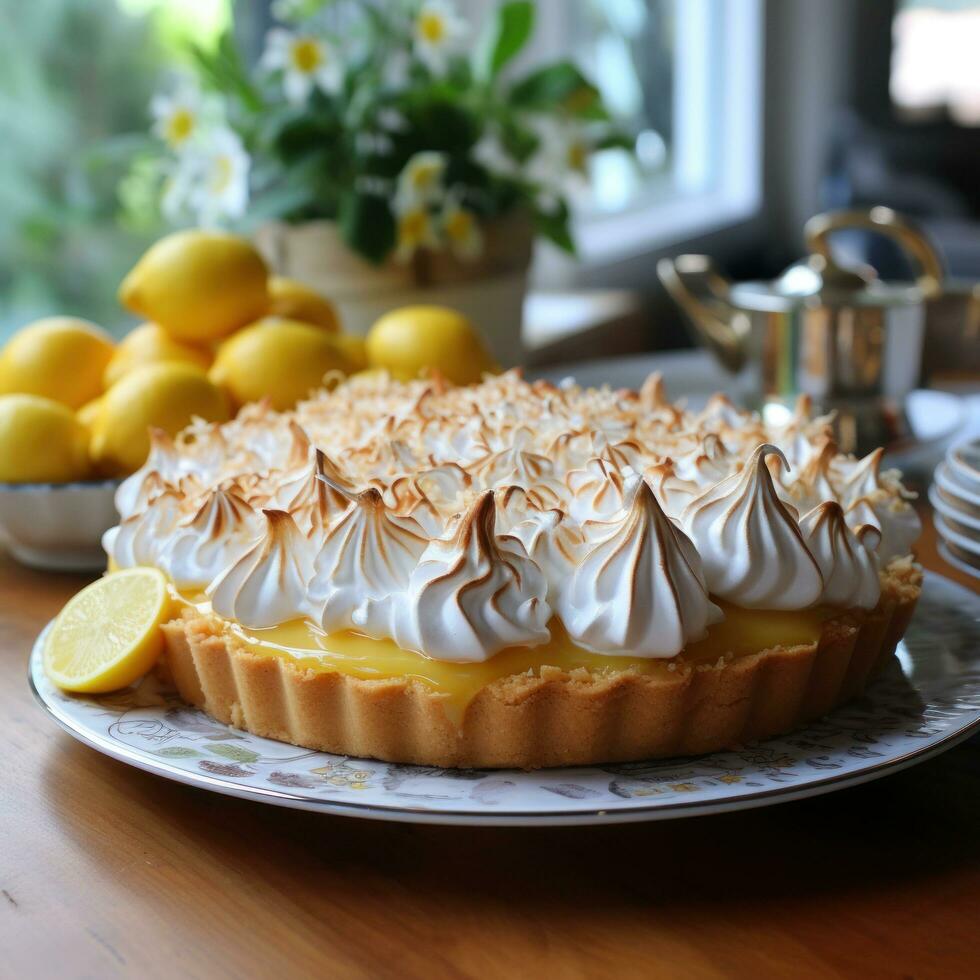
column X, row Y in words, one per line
column 838, row 334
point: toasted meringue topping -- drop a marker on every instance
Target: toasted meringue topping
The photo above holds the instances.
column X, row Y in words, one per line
column 639, row 589
column 161, row 469
column 896, row 522
column 753, row 551
column 364, row 565
column 554, row 542
column 142, row 538
column 596, row 491
column 847, row 563
column 707, row 465
column 406, row 537
column 202, row 546
column 672, row 492
column 469, row 598
column 268, row 584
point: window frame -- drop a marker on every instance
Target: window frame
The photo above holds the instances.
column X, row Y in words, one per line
column 728, row 34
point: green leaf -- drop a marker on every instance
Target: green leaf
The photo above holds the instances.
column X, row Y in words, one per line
column 225, row 70
column 367, row 225
column 558, row 86
column 506, row 34
column 616, row 140
column 176, row 752
column 554, row 226
column 234, row 752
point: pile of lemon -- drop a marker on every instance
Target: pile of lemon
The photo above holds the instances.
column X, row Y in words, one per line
column 220, row 332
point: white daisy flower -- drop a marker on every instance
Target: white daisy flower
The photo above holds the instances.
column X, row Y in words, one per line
column 491, row 154
column 210, row 181
column 416, row 230
column 178, row 117
column 560, row 162
column 305, row 62
column 461, row 228
column 436, row 31
column 420, row 181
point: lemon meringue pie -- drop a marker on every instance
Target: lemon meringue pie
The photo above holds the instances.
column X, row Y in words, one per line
column 519, row 574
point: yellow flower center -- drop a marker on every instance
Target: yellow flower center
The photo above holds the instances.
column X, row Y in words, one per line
column 577, row 155
column 306, row 55
column 431, row 27
column 459, row 225
column 412, row 227
column 424, row 176
column 179, row 126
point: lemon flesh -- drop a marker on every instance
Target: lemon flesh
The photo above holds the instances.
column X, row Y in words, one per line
column 294, row 300
column 59, row 357
column 198, row 285
column 411, row 340
column 108, row 635
column 41, row 441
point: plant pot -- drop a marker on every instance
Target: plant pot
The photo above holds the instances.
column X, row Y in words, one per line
column 489, row 290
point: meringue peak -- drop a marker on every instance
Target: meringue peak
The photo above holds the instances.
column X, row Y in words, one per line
column 847, row 563
column 471, row 598
column 267, row 584
column 365, row 560
column 639, row 589
column 653, row 394
column 751, row 545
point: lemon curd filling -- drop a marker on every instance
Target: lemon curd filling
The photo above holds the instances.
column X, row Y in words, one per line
column 741, row 633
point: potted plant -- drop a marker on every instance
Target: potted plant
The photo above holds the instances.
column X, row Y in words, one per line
column 382, row 159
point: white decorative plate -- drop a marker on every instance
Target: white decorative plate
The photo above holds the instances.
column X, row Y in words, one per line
column 927, row 702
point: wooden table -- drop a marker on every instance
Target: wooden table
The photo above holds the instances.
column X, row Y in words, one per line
column 107, row 871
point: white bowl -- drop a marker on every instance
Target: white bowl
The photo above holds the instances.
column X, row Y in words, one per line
column 57, row 525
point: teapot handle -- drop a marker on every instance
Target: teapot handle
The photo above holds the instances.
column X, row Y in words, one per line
column 701, row 291
column 886, row 222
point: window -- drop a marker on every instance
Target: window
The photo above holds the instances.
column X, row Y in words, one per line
column 686, row 75
column 934, row 60
column 76, row 78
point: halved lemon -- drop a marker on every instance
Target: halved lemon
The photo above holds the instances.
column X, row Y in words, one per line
column 108, row 636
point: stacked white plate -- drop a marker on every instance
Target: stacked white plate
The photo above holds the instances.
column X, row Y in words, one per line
column 955, row 497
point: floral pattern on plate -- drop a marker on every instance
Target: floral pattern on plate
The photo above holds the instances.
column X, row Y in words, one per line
column 927, row 700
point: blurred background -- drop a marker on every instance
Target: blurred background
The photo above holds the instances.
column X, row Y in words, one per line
column 748, row 117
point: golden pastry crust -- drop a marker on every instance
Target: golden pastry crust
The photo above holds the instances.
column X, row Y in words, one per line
column 554, row 718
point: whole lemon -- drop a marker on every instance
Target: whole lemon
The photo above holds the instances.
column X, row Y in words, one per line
column 355, row 348
column 149, row 343
column 409, row 340
column 89, row 412
column 198, row 285
column 59, row 357
column 294, row 300
column 41, row 441
column 279, row 359
column 164, row 396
